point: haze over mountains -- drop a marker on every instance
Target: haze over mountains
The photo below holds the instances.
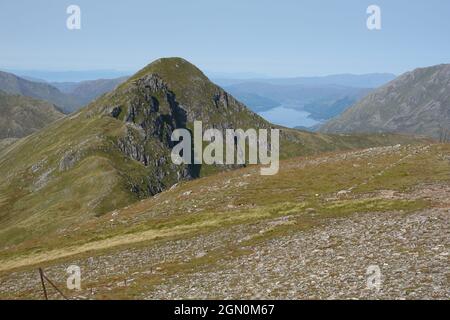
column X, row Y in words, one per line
column 418, row 102
column 89, row 90
column 305, row 101
column 319, row 98
column 370, row 80
column 310, row 99
column 69, row 97
column 11, row 84
column 50, row 76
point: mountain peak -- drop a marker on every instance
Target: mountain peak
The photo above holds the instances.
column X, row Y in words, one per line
column 174, row 84
column 172, row 69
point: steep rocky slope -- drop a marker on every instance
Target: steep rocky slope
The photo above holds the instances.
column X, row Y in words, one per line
column 417, row 102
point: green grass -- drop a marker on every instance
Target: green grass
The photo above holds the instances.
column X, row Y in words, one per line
column 74, row 204
column 101, row 179
column 216, row 202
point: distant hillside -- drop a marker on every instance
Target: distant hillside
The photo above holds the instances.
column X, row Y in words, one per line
column 371, row 80
column 322, row 97
column 67, row 76
column 86, row 91
column 21, row 116
column 69, row 96
column 254, row 101
column 321, row 101
column 417, row 102
column 12, row 84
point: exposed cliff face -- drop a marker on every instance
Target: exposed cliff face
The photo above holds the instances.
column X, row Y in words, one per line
column 417, row 102
column 153, row 108
column 151, row 115
column 169, row 94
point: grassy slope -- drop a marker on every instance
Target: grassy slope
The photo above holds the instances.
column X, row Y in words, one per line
column 38, row 198
column 21, row 116
column 71, row 173
column 305, row 189
column 415, row 103
column 12, row 84
column 4, row 143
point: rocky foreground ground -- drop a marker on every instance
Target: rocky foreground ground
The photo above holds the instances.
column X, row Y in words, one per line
column 275, row 258
column 332, row 263
column 328, row 262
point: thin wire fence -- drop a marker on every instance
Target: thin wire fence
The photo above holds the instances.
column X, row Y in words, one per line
column 44, row 279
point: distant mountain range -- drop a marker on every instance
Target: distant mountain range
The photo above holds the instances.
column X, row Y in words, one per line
column 417, row 102
column 322, row 97
column 322, row 101
column 86, row 91
column 67, row 76
column 370, row 80
column 12, row 84
column 68, row 96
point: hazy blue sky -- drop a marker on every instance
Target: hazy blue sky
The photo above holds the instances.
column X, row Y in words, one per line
column 278, row 38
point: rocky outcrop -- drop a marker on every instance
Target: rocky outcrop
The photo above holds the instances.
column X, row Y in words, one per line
column 151, row 115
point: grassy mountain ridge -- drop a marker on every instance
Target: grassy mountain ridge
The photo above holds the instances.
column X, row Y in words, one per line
column 116, row 150
column 417, row 102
